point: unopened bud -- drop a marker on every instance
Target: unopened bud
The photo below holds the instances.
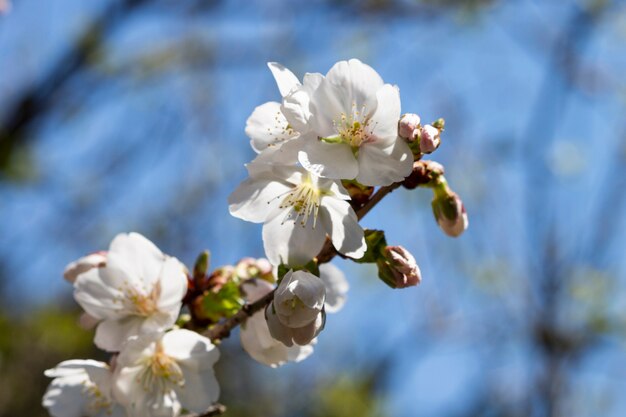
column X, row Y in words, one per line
column 398, row 268
column 450, row 213
column 407, row 126
column 249, row 268
column 429, row 139
column 84, row 264
column 440, row 124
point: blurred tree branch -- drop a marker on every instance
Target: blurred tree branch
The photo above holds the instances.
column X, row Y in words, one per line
column 41, row 95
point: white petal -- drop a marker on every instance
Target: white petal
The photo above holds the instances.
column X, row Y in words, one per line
column 257, row 199
column 384, row 122
column 332, row 160
column 336, row 287
column 286, row 154
column 173, row 283
column 267, row 127
column 190, row 349
column 259, row 343
column 328, row 103
column 64, row 396
column 296, row 105
column 200, row 390
column 305, row 287
column 362, row 80
column 111, row 333
column 277, row 329
column 347, row 233
column 96, row 292
column 304, row 335
column 285, row 80
column 290, row 242
column 140, row 257
column 384, row 166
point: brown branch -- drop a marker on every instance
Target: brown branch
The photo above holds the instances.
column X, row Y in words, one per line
column 222, row 330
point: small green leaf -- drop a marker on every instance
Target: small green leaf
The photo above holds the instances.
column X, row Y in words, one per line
column 224, row 303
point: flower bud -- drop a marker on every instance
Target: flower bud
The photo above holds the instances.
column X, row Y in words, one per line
column 398, row 268
column 84, row 264
column 429, row 139
column 450, row 213
column 249, row 268
column 299, row 298
column 407, row 126
column 293, row 335
column 424, row 172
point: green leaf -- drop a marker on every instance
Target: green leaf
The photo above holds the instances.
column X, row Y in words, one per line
column 224, row 303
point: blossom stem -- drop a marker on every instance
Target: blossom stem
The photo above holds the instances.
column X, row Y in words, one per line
column 222, row 330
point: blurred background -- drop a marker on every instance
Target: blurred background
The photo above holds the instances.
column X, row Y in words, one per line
column 129, row 115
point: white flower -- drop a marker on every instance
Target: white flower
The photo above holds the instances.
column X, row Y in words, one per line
column 160, row 374
column 139, row 290
column 272, row 127
column 256, row 338
column 299, row 298
column 296, row 313
column 81, row 388
column 336, row 287
column 298, row 210
column 84, row 264
column 354, row 123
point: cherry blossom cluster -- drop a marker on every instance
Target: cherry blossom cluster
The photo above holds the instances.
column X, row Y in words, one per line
column 327, row 153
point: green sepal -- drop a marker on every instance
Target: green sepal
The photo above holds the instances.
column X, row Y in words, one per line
column 376, row 242
column 201, row 267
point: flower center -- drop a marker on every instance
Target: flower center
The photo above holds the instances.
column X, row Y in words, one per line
column 98, row 401
column 145, row 304
column 161, row 372
column 305, row 200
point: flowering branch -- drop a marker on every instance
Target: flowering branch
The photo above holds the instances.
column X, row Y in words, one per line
column 222, row 330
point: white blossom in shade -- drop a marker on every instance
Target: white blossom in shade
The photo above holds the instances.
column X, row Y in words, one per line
column 299, row 298
column 354, row 128
column 255, row 335
column 160, row 374
column 272, row 127
column 84, row 264
column 336, row 287
column 292, row 336
column 298, row 209
column 139, row 290
column 81, row 388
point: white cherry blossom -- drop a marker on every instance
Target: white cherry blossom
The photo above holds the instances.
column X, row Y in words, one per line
column 298, row 209
column 160, row 374
column 299, row 298
column 81, row 388
column 256, row 338
column 354, row 123
column 139, row 290
column 273, row 127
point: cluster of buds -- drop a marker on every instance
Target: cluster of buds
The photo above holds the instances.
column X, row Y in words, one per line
column 422, row 139
column 217, row 295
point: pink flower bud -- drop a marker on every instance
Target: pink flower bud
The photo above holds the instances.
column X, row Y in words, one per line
column 249, row 268
column 403, row 267
column 407, row 125
column 450, row 214
column 429, row 139
column 84, row 264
